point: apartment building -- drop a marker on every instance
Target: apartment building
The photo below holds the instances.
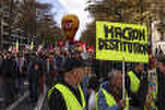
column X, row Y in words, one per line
column 9, row 33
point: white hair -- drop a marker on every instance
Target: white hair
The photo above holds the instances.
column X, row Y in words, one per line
column 113, row 74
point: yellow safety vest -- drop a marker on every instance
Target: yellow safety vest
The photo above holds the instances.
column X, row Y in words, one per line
column 134, row 82
column 110, row 100
column 71, row 101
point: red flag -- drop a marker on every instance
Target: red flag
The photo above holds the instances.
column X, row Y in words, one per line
column 91, row 49
column 83, row 45
column 60, row 43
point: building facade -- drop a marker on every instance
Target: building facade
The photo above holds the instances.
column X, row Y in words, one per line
column 9, row 32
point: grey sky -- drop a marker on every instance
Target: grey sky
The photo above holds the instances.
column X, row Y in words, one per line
column 63, row 7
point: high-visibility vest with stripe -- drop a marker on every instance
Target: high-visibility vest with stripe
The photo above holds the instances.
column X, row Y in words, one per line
column 70, row 100
column 134, row 82
column 153, row 86
column 110, row 100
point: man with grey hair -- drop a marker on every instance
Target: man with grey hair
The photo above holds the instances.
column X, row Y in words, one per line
column 109, row 96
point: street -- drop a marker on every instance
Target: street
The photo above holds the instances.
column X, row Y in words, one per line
column 82, row 54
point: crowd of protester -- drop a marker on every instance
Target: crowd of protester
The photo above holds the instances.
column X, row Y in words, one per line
column 36, row 68
column 47, row 67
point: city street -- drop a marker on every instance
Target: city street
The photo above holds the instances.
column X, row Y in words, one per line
column 82, row 54
column 23, row 103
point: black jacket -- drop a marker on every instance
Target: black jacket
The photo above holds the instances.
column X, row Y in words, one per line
column 161, row 91
column 56, row 100
column 8, row 68
column 138, row 99
column 34, row 75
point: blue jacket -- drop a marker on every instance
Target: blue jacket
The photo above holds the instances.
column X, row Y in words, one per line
column 102, row 105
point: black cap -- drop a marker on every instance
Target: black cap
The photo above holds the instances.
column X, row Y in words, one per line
column 70, row 64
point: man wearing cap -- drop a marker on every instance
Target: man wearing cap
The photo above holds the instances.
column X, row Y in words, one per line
column 109, row 96
column 68, row 94
column 138, row 86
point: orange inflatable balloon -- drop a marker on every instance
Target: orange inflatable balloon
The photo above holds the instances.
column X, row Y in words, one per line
column 70, row 24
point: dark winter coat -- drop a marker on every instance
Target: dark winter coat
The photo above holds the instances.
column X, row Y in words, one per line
column 8, row 68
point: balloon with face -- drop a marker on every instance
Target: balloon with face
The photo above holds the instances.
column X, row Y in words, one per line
column 70, row 24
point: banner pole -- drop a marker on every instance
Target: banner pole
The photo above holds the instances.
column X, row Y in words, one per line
column 123, row 80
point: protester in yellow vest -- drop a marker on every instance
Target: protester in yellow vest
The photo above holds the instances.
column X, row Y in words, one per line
column 138, row 85
column 109, row 96
column 68, row 94
column 156, row 93
column 151, row 98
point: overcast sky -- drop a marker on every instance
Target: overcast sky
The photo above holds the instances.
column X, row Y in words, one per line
column 63, row 7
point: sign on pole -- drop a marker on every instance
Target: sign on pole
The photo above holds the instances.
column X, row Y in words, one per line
column 16, row 49
column 32, row 45
column 117, row 41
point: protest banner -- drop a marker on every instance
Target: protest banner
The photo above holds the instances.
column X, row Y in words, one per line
column 117, row 41
column 121, row 42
